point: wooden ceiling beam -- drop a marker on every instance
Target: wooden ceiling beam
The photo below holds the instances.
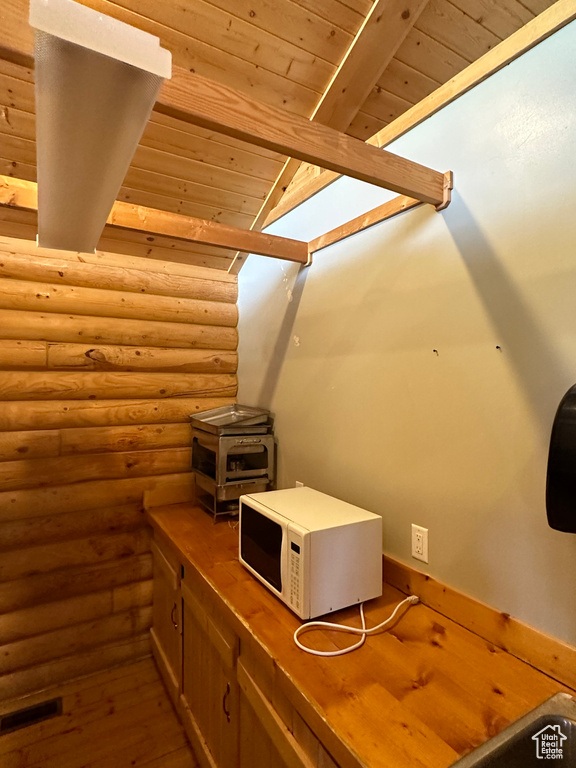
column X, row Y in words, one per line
column 18, row 193
column 373, row 48
column 198, row 100
column 545, row 24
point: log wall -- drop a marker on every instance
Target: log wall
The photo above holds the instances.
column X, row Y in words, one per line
column 102, row 359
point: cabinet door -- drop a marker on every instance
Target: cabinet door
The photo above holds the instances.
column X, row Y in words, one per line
column 165, row 632
column 265, row 740
column 209, row 687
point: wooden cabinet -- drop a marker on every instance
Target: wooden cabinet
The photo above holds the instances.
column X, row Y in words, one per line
column 209, row 688
column 166, row 619
column 223, row 690
column 265, row 739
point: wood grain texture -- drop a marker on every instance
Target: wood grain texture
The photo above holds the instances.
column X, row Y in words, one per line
column 456, row 82
column 121, row 358
column 191, row 98
column 77, row 580
column 56, row 385
column 21, row 193
column 39, row 677
column 25, row 414
column 92, row 421
column 171, row 278
column 549, row 654
column 440, row 688
column 58, row 270
column 21, row 505
column 37, row 473
column 34, row 296
column 114, row 717
column 52, row 326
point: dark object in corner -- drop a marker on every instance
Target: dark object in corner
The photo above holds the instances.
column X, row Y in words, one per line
column 561, row 477
column 22, row 718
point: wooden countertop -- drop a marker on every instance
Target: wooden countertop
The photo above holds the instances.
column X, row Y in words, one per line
column 421, row 694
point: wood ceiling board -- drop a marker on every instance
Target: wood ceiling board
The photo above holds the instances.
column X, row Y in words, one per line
column 18, row 150
column 14, row 70
column 142, row 180
column 407, row 83
column 16, row 35
column 22, row 124
column 197, row 56
column 363, row 126
column 17, row 124
column 360, row 6
column 14, row 122
column 183, row 207
column 537, row 6
column 298, row 25
column 228, row 31
column 449, row 25
column 203, row 102
column 209, row 151
column 17, row 158
column 430, row 56
column 187, row 170
column 18, row 97
column 501, row 17
column 16, row 40
column 384, row 106
column 346, row 15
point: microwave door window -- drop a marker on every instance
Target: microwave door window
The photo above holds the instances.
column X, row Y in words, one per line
column 261, row 545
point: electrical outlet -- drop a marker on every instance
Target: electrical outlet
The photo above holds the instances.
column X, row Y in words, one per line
column 420, row 543
column 298, row 484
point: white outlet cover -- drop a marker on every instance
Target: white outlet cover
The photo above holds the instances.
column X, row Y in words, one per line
column 419, row 543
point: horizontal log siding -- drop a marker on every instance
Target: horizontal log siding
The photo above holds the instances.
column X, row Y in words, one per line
column 100, row 367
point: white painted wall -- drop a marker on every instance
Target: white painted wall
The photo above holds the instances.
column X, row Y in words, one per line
column 342, row 352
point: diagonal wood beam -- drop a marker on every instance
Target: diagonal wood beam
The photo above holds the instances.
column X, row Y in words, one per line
column 558, row 15
column 18, row 193
column 374, row 46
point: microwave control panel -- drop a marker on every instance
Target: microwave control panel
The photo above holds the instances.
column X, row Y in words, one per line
column 295, row 568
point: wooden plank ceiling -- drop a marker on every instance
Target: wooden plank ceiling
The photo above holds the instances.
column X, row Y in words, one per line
column 353, row 64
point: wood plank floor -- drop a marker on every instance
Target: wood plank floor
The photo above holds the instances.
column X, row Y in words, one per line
column 120, row 718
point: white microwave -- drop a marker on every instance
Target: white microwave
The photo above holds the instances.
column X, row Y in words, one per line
column 316, row 553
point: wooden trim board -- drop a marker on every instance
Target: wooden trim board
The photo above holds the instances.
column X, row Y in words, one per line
column 18, row 193
column 360, row 223
column 548, row 654
column 537, row 30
